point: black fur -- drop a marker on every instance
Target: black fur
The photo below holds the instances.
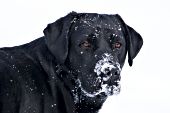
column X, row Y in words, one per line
column 42, row 76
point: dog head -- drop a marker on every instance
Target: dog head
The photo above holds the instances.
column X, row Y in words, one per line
column 94, row 47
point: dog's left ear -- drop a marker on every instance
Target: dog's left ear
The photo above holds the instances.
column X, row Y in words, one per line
column 134, row 41
column 57, row 36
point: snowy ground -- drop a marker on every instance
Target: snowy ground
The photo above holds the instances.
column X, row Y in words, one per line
column 145, row 86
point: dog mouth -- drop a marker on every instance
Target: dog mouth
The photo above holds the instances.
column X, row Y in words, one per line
column 107, row 81
column 108, row 76
column 109, row 87
column 104, row 88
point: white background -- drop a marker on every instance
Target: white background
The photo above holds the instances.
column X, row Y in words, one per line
column 145, row 85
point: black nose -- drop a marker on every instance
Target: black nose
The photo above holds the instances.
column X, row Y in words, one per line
column 108, row 72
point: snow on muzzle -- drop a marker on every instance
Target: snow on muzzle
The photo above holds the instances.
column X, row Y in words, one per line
column 107, row 68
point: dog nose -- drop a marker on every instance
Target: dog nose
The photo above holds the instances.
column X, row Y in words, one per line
column 107, row 71
column 112, row 72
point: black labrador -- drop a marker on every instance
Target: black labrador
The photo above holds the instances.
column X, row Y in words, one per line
column 73, row 68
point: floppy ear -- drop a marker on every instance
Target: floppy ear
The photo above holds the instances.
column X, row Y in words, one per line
column 57, row 36
column 134, row 41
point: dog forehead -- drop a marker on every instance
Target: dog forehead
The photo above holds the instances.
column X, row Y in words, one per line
column 99, row 21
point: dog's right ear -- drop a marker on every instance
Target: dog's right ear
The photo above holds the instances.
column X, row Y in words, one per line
column 56, row 36
column 134, row 40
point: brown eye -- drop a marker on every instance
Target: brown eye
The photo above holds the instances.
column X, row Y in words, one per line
column 85, row 44
column 117, row 45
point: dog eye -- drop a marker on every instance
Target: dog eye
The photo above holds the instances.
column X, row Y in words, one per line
column 85, row 44
column 117, row 45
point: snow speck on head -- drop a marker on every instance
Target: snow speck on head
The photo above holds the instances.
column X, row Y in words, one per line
column 76, row 28
column 11, row 80
column 13, row 66
column 119, row 29
column 74, row 20
column 31, row 89
column 53, row 105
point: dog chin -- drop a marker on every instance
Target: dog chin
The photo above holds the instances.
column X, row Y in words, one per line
column 104, row 90
column 109, row 90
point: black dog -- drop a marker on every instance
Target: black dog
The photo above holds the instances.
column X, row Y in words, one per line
column 72, row 69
